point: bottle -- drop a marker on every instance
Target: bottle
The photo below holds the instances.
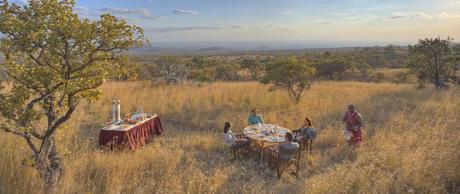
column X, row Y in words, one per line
column 142, row 116
column 118, row 111
column 114, row 112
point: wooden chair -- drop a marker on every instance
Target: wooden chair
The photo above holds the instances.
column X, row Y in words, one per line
column 281, row 165
column 240, row 136
column 305, row 142
column 239, row 149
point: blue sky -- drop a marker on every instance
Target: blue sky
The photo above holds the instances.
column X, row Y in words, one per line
column 284, row 20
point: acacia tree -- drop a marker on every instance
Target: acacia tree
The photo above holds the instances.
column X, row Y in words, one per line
column 333, row 66
column 456, row 59
column 432, row 61
column 372, row 56
column 290, row 74
column 173, row 70
column 54, row 60
column 202, row 69
column 254, row 66
column 227, row 71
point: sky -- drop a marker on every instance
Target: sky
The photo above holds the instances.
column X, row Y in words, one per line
column 284, row 20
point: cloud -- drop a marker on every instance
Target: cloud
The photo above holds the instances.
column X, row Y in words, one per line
column 233, row 26
column 146, row 14
column 396, row 17
column 136, row 12
column 322, row 22
column 185, row 12
column 448, row 15
column 117, row 11
column 340, row 14
column 423, row 15
column 399, row 15
column 18, row 2
column 212, row 27
column 186, row 28
column 84, row 11
column 81, row 8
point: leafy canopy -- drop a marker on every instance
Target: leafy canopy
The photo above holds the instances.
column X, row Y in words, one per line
column 171, row 69
column 254, row 66
column 333, row 66
column 291, row 74
column 433, row 61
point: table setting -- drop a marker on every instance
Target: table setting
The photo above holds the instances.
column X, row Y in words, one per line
column 269, row 133
column 265, row 134
column 134, row 130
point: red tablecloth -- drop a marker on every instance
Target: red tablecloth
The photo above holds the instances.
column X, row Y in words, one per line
column 133, row 138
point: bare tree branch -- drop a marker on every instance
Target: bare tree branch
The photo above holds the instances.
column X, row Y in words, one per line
column 31, row 144
column 25, row 135
column 36, row 134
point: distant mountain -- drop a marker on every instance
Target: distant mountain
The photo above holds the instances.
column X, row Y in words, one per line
column 263, row 47
column 211, row 48
column 214, row 48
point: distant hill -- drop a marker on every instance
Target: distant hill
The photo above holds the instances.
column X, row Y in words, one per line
column 231, row 48
column 264, row 47
column 214, row 48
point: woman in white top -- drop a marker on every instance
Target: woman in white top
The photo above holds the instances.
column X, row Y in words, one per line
column 232, row 141
column 229, row 136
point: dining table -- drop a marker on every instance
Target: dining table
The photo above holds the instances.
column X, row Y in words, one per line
column 265, row 135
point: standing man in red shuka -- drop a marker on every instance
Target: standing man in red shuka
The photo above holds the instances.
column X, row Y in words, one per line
column 353, row 123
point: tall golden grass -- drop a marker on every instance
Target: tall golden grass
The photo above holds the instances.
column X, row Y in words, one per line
column 411, row 142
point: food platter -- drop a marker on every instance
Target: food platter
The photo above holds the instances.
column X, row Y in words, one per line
column 266, row 132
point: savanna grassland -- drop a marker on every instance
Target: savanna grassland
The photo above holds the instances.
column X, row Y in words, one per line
column 411, row 142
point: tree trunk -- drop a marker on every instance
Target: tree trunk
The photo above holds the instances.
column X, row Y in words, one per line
column 49, row 165
column 439, row 83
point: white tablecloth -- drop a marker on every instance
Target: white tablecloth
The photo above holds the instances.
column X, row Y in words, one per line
column 125, row 127
column 266, row 132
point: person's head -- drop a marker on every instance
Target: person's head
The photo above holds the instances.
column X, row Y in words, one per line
column 351, row 107
column 289, row 137
column 254, row 111
column 308, row 122
column 227, row 126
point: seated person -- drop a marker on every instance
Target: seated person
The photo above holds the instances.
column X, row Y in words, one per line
column 254, row 118
column 288, row 150
column 230, row 138
column 307, row 130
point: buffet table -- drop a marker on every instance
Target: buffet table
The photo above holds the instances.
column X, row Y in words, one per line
column 130, row 135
